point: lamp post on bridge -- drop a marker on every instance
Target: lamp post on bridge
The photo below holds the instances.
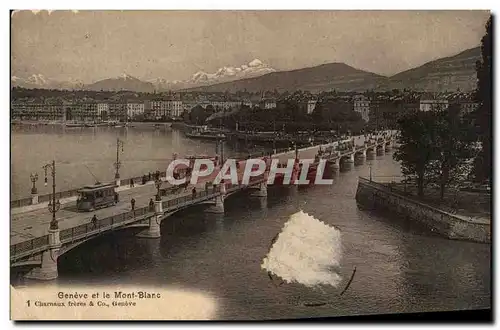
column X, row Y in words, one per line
column 119, row 143
column 158, row 183
column 34, row 179
column 370, row 165
column 219, row 148
column 54, row 205
column 34, row 191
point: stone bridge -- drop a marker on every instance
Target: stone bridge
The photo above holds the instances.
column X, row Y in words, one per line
column 39, row 255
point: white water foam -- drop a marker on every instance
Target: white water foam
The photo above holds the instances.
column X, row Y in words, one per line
column 306, row 252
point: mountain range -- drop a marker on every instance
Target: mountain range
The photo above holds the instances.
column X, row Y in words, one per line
column 225, row 74
column 40, row 81
column 324, row 77
column 449, row 73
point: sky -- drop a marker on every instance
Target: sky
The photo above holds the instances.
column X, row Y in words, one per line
column 93, row 45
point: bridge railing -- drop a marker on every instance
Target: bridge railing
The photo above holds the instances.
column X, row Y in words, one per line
column 231, row 186
column 31, row 245
column 104, row 223
column 74, row 192
column 21, row 202
column 188, row 199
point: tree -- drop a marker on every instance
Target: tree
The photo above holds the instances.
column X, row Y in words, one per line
column 482, row 169
column 198, row 115
column 416, row 146
column 453, row 147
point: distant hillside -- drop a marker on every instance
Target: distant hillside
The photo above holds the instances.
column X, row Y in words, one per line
column 122, row 83
column 447, row 73
column 324, row 77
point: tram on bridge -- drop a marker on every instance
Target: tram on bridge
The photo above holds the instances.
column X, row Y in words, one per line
column 97, row 196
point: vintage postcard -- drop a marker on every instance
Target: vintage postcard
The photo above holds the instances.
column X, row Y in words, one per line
column 250, row 165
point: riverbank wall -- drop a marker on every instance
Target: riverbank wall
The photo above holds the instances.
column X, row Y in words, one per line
column 131, row 123
column 375, row 196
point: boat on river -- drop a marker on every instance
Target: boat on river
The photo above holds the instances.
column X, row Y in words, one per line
column 203, row 132
column 74, row 125
column 206, row 135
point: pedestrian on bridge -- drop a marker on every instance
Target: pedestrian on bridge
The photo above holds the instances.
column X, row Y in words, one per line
column 194, row 192
column 94, row 222
column 132, row 203
column 151, row 205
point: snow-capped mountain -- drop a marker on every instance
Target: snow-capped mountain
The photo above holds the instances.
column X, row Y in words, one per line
column 161, row 84
column 225, row 74
column 125, row 81
column 33, row 81
column 253, row 69
column 40, row 81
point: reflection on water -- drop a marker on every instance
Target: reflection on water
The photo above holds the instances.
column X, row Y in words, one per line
column 399, row 267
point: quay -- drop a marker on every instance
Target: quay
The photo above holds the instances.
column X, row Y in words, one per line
column 377, row 196
column 35, row 247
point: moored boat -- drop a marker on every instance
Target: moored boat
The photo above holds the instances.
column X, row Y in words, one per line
column 74, row 125
column 206, row 136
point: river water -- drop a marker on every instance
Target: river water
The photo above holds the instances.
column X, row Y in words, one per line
column 400, row 267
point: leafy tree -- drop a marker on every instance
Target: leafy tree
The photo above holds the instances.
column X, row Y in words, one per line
column 138, row 117
column 197, row 115
column 416, row 146
column 483, row 113
column 453, row 148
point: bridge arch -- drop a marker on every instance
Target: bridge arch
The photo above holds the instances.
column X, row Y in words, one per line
column 24, row 266
column 360, row 153
column 65, row 248
column 346, row 158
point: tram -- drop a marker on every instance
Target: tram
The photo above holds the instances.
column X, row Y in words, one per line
column 96, row 197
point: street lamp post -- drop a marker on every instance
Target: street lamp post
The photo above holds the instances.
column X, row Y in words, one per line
column 54, row 205
column 118, row 163
column 34, row 179
column 158, row 183
column 221, row 146
column 370, row 165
